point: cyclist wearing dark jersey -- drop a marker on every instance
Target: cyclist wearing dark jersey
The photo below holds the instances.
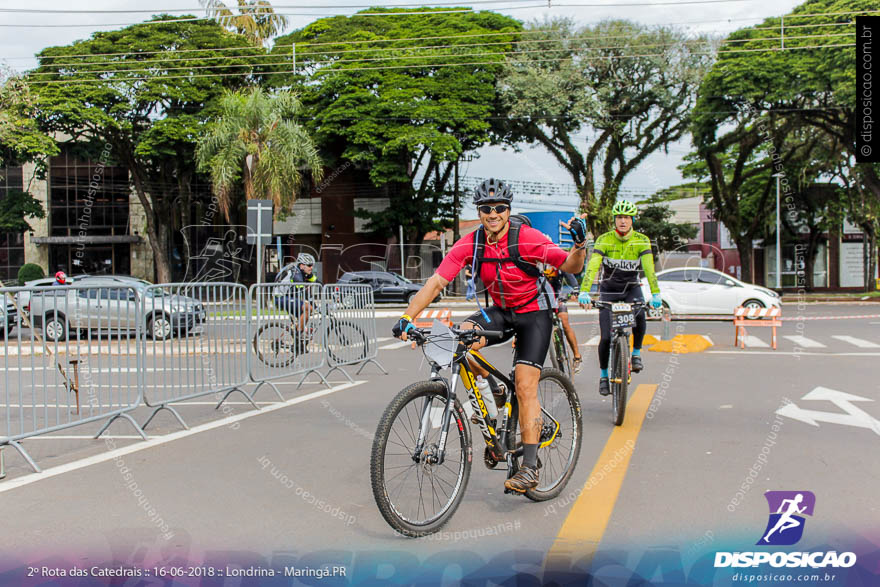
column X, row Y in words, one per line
column 292, row 295
column 620, row 254
column 518, row 307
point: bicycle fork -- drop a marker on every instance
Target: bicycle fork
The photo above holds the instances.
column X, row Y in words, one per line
column 420, row 452
column 611, row 365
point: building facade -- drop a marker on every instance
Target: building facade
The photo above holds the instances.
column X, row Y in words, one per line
column 95, row 224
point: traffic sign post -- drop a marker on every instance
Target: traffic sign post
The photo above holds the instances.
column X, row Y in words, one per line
column 259, row 223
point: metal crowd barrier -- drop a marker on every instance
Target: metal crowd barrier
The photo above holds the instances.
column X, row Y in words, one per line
column 83, row 354
column 196, row 343
column 286, row 333
column 57, row 353
column 350, row 327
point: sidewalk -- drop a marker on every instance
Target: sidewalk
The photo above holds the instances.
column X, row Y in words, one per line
column 868, row 297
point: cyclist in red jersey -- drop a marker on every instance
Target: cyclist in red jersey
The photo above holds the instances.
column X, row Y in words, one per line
column 519, row 308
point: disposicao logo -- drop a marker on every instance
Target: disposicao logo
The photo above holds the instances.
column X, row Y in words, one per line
column 784, row 528
column 786, row 524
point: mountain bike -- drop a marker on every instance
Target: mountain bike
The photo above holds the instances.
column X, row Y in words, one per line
column 623, row 317
column 421, row 457
column 278, row 341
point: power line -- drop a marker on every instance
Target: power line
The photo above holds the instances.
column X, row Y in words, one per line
column 373, row 59
column 469, row 54
column 246, row 9
column 430, row 65
column 259, row 9
column 464, row 10
column 261, row 56
column 469, row 35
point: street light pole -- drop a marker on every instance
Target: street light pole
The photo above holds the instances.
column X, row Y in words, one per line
column 778, row 176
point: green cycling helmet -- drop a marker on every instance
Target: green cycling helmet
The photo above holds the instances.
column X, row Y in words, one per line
column 624, row 209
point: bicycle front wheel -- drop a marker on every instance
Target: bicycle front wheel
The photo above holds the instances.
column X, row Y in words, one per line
column 557, row 353
column 620, row 378
column 274, row 344
column 561, row 435
column 346, row 342
column 415, row 494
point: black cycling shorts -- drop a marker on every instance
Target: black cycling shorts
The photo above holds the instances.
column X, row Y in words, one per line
column 532, row 331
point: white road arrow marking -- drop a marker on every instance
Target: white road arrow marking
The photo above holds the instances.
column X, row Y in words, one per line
column 852, row 416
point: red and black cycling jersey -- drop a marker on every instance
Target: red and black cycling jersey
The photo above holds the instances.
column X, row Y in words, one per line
column 519, row 288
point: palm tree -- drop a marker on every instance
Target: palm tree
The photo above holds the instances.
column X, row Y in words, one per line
column 256, row 142
column 256, row 19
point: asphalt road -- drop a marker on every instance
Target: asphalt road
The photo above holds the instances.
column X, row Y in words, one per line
column 706, row 435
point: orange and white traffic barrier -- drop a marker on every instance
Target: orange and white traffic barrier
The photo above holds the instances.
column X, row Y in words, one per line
column 743, row 316
column 425, row 318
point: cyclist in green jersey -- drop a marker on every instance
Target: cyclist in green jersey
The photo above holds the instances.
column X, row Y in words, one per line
column 620, row 254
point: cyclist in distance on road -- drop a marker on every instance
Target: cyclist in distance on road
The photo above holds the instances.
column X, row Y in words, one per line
column 503, row 254
column 292, row 296
column 620, row 254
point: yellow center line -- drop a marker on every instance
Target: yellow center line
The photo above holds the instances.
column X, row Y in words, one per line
column 586, row 522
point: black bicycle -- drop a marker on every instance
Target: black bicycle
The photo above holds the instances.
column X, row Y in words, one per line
column 623, row 317
column 421, row 457
column 560, row 357
column 278, row 341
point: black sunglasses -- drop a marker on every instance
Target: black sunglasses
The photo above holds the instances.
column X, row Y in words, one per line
column 499, row 208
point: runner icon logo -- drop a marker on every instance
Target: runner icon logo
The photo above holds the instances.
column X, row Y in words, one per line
column 787, row 509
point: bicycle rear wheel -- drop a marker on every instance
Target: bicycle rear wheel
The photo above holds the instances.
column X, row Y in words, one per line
column 620, row 378
column 560, row 445
column 415, row 495
column 275, row 343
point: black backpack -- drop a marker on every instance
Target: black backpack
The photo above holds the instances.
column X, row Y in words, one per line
column 513, row 256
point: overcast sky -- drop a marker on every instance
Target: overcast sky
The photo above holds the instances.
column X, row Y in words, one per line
column 19, row 43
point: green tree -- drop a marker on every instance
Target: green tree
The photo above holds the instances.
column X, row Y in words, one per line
column 256, row 19
column 739, row 166
column 387, row 99
column 256, row 142
column 21, row 139
column 860, row 203
column 630, row 87
column 146, row 92
column 654, row 221
column 15, row 208
column 783, row 79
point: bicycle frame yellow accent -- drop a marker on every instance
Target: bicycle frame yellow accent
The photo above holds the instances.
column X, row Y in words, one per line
column 469, row 380
column 470, row 383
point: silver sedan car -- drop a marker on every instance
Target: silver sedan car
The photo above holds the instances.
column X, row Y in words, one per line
column 114, row 304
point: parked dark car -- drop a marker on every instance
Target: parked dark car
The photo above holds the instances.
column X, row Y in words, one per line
column 387, row 287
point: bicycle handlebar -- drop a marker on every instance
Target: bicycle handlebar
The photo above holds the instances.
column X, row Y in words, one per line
column 466, row 335
column 635, row 305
